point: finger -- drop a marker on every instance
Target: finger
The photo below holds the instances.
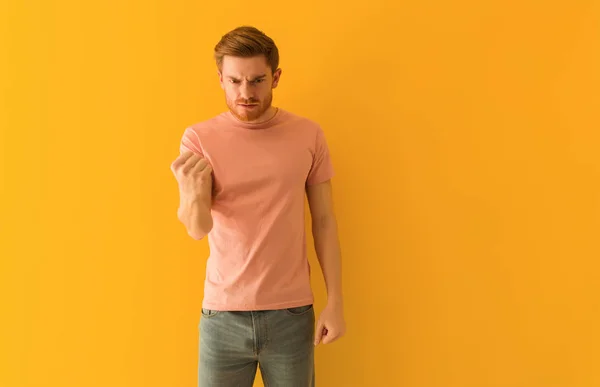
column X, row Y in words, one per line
column 190, row 163
column 201, row 165
column 207, row 170
column 180, row 160
column 329, row 337
column 319, row 333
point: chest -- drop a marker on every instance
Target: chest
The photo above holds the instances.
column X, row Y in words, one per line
column 268, row 163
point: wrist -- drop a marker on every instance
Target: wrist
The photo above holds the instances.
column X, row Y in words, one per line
column 335, row 299
column 188, row 201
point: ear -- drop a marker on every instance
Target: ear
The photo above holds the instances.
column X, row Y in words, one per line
column 276, row 77
column 221, row 79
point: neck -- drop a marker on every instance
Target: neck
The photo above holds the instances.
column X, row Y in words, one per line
column 270, row 118
column 266, row 116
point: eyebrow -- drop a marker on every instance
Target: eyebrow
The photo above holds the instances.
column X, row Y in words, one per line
column 256, row 78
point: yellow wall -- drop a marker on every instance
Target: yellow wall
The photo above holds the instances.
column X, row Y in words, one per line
column 465, row 139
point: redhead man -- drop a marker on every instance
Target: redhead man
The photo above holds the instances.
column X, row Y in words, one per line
column 243, row 176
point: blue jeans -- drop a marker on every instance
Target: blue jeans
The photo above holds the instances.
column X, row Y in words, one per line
column 234, row 344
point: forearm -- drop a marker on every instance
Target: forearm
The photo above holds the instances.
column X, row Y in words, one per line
column 195, row 215
column 328, row 251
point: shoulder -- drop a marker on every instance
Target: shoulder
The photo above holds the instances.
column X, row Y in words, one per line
column 205, row 127
column 301, row 121
column 304, row 126
column 196, row 135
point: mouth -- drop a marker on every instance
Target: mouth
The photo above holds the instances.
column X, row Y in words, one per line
column 248, row 106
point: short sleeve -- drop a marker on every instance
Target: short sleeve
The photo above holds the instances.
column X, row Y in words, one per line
column 322, row 166
column 190, row 142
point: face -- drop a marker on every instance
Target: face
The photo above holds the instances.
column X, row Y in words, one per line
column 248, row 84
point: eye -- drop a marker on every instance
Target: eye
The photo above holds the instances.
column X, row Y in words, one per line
column 259, row 80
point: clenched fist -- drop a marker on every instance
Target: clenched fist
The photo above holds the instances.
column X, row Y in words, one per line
column 194, row 175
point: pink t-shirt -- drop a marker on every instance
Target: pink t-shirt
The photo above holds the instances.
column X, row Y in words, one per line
column 257, row 245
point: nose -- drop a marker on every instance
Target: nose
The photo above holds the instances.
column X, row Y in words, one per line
column 245, row 92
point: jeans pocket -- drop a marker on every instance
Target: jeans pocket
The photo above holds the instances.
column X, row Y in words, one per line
column 299, row 310
column 209, row 312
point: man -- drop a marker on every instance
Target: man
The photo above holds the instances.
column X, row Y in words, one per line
column 242, row 177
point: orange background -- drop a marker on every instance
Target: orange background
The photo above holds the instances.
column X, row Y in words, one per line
column 465, row 139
